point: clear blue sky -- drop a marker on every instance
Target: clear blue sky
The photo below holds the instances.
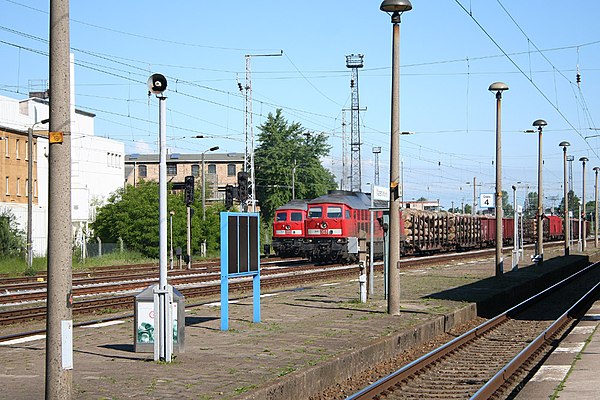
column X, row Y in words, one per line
column 451, row 51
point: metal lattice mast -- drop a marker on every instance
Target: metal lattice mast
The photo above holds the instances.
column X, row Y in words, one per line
column 570, row 160
column 376, row 152
column 344, row 152
column 249, row 132
column 355, row 61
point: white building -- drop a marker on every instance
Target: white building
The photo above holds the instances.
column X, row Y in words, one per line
column 96, row 166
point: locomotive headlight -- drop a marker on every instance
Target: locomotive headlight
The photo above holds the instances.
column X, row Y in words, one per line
column 323, row 225
column 288, row 227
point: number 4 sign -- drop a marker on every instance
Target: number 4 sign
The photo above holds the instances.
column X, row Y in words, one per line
column 486, row 200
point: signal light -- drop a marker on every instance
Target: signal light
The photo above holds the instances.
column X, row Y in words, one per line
column 243, row 186
column 228, row 196
column 189, row 190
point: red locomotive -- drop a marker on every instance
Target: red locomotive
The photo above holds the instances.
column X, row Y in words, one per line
column 331, row 222
column 289, row 230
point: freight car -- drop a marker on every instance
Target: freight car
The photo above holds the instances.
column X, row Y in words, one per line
column 289, row 230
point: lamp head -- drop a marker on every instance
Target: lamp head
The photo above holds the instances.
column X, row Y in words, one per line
column 564, row 144
column 393, row 6
column 584, row 159
column 539, row 123
column 596, row 169
column 498, row 87
column 214, row 148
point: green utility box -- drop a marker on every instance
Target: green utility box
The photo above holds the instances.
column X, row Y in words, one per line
column 143, row 330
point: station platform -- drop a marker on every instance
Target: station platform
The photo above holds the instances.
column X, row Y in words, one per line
column 308, row 338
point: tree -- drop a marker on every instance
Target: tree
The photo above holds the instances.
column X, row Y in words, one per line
column 12, row 239
column 507, row 207
column 131, row 213
column 283, row 149
column 574, row 203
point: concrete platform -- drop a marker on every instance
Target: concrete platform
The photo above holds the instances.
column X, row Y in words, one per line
column 571, row 371
column 308, row 338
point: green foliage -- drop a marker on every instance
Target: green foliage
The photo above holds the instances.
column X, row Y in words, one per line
column 12, row 239
column 283, row 148
column 132, row 214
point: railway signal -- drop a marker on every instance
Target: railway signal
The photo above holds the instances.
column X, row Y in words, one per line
column 229, row 195
column 243, row 186
column 189, row 190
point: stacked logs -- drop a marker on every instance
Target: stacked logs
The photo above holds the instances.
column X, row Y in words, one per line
column 427, row 230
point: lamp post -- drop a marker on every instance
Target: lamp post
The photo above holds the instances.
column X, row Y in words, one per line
column 395, row 8
column 498, row 87
column 582, row 222
column 540, row 123
column 564, row 145
column 204, row 181
column 30, row 191
column 474, row 194
column 596, row 169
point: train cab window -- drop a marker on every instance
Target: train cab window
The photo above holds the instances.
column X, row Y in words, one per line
column 347, row 214
column 334, row 212
column 315, row 212
column 281, row 216
column 296, row 216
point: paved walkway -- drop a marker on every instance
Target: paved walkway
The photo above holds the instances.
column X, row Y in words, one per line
column 307, row 337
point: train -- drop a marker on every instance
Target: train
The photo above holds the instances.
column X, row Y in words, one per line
column 325, row 229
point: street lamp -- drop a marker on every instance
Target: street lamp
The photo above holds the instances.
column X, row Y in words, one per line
column 596, row 169
column 473, row 212
column 564, row 145
column 395, row 8
column 30, row 190
column 540, row 123
column 204, row 181
column 498, row 87
column 582, row 222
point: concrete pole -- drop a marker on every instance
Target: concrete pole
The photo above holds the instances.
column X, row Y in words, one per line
column 474, row 195
column 395, row 189
column 499, row 87
column 596, row 169
column 566, row 227
column 29, row 196
column 59, row 324
column 540, row 204
column 515, row 254
column 583, row 227
column 203, row 189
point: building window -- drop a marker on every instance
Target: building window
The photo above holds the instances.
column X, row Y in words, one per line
column 142, row 171
column 26, row 187
column 212, row 168
column 18, row 187
column 195, row 170
column 7, row 189
column 26, row 150
column 6, row 147
column 34, row 151
column 231, row 170
column 35, row 188
column 171, row 169
column 17, row 149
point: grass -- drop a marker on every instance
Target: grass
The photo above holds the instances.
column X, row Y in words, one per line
column 18, row 267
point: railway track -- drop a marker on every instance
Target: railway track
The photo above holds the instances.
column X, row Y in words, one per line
column 211, row 286
column 494, row 359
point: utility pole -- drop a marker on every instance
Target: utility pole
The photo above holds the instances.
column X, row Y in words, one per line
column 355, row 61
column 59, row 323
column 376, row 152
column 249, row 131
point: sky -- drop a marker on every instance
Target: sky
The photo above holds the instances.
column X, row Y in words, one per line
column 451, row 51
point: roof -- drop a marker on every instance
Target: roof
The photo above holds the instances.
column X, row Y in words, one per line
column 295, row 205
column 357, row 200
column 185, row 158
